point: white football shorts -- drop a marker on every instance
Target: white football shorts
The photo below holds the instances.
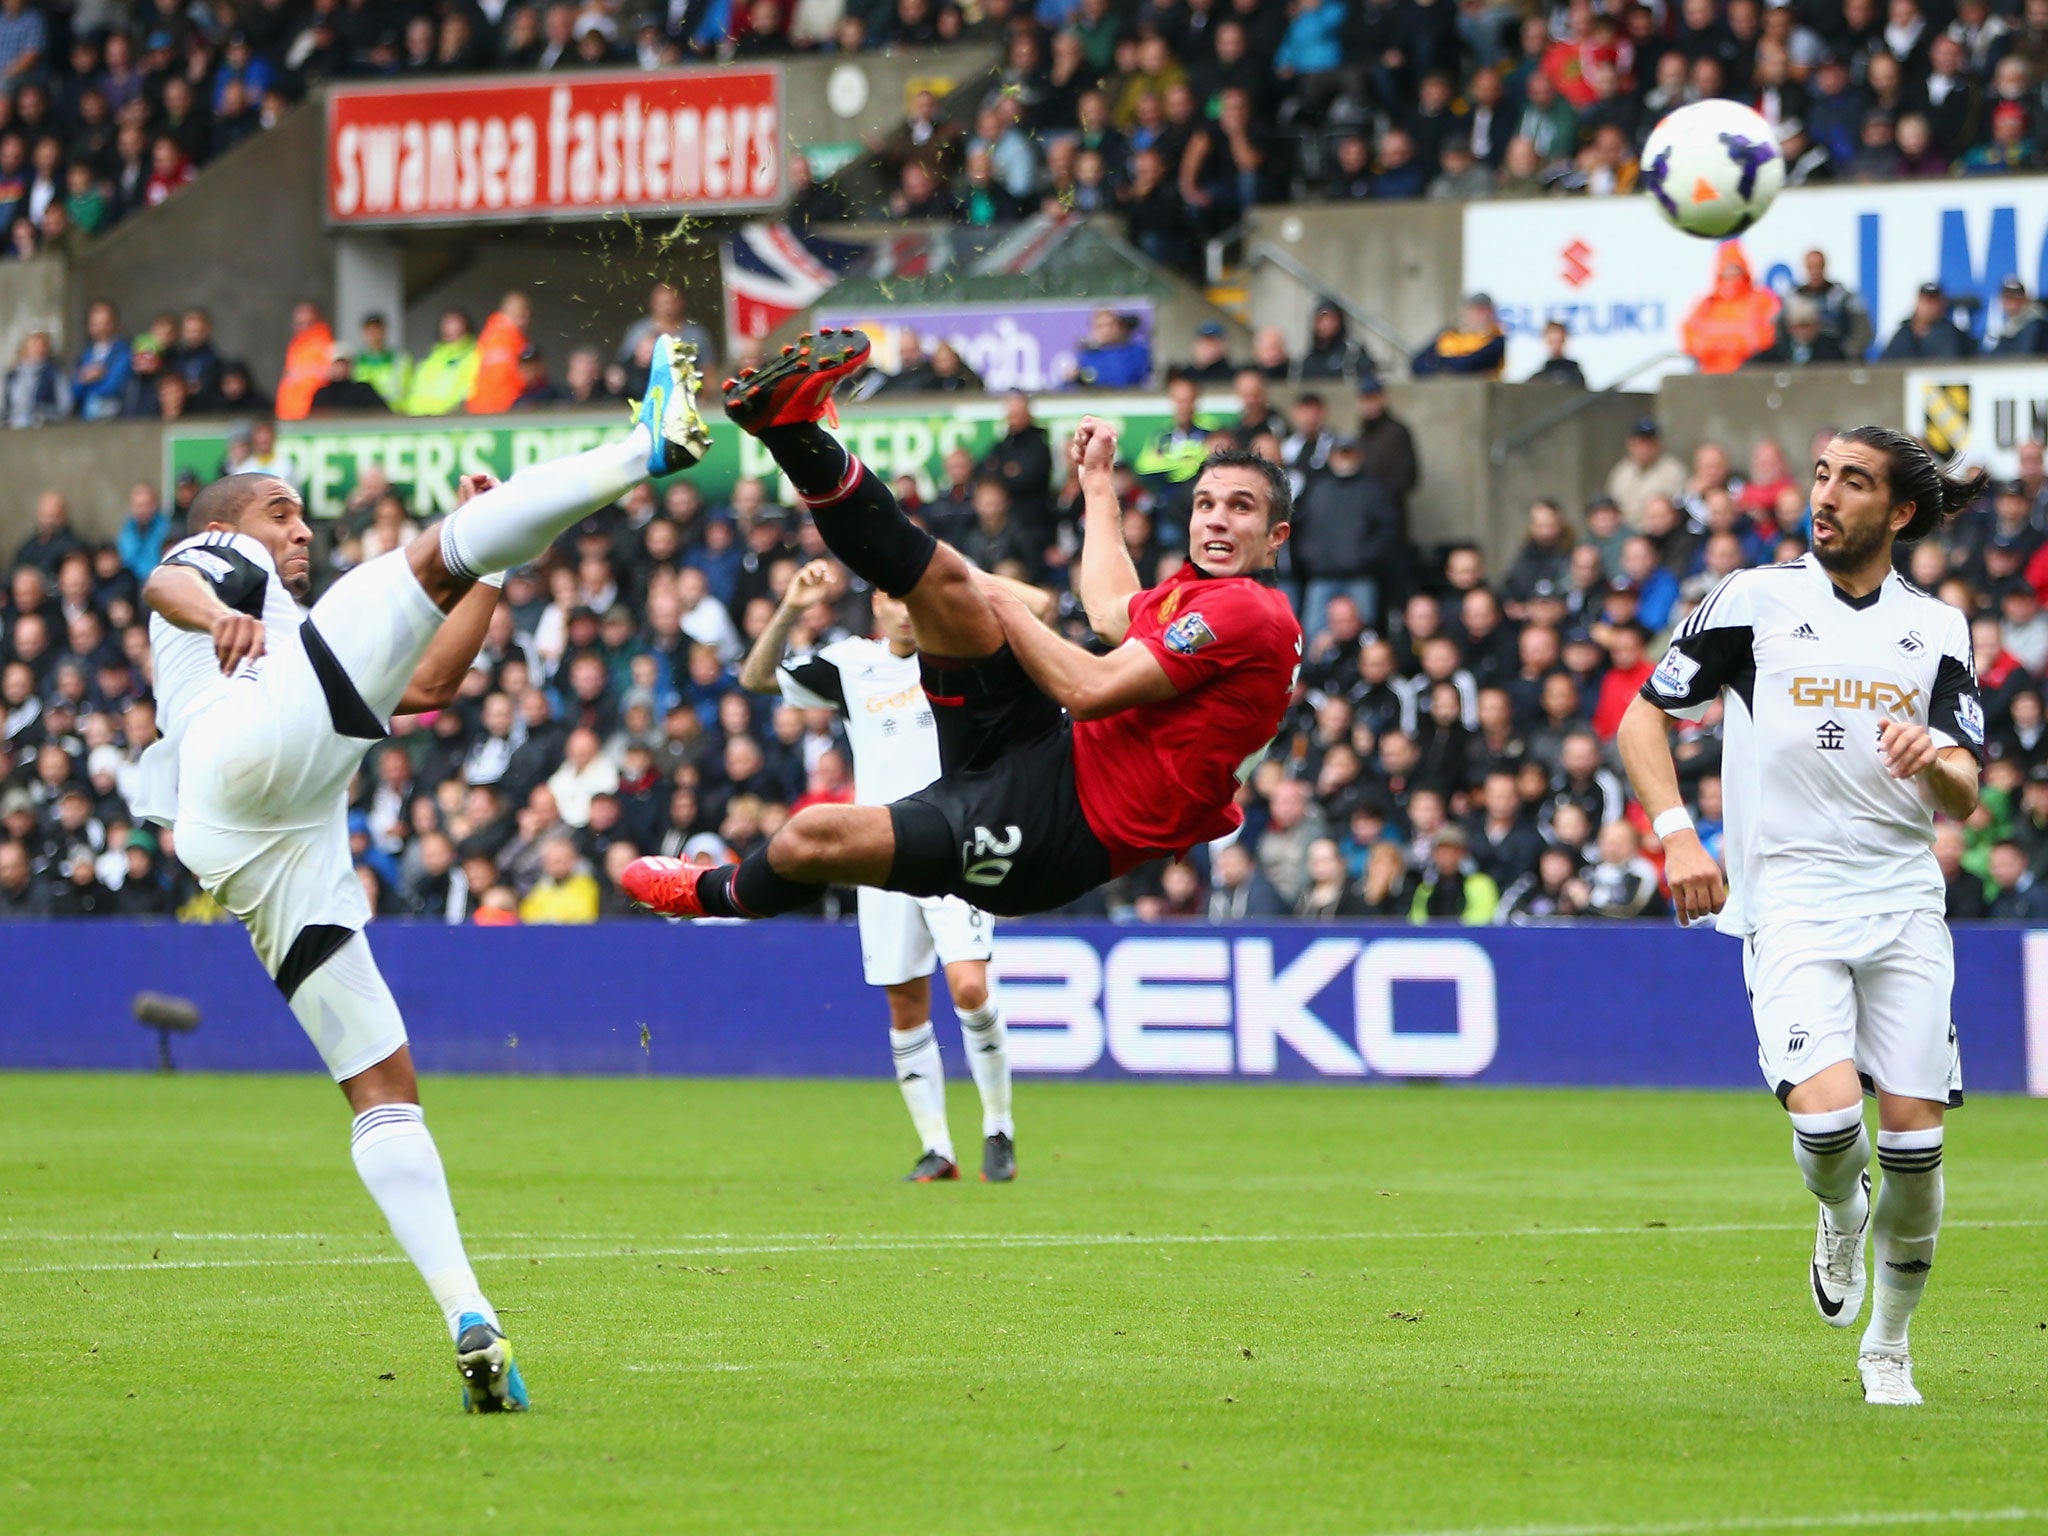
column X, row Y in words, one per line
column 1869, row 990
column 263, row 777
column 904, row 937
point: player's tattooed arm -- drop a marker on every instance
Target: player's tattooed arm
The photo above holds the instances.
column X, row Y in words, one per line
column 186, row 600
column 1950, row 773
column 1107, row 579
column 810, row 585
column 1088, row 687
column 1645, row 741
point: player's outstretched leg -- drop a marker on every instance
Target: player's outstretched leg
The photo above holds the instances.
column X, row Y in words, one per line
column 517, row 521
column 348, row 1010
column 1905, row 1224
column 375, row 625
column 1833, row 1152
column 782, row 404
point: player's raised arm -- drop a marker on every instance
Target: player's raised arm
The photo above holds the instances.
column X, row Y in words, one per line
column 185, row 599
column 1106, row 579
column 452, row 651
column 1645, row 741
column 807, row 586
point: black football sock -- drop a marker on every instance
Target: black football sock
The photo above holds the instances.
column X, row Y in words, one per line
column 753, row 889
column 860, row 521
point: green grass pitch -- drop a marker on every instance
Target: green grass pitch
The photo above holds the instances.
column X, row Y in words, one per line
column 1202, row 1309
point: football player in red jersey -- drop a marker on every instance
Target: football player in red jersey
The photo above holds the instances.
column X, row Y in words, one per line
column 1061, row 768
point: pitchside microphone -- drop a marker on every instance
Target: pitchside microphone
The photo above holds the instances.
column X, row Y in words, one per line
column 165, row 1014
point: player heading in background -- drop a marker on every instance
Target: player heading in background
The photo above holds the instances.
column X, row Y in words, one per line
column 1852, row 718
column 873, row 686
column 1061, row 768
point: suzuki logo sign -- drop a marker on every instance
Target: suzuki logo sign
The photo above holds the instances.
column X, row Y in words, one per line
column 1577, row 259
column 1214, row 1006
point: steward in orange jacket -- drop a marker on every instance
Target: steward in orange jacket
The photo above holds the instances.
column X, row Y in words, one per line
column 497, row 356
column 1734, row 322
column 305, row 362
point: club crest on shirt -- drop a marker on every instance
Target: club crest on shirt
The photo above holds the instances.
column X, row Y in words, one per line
column 1169, row 605
column 1970, row 716
column 1674, row 674
column 1185, row 636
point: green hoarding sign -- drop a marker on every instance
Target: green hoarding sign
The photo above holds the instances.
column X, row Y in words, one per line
column 427, row 455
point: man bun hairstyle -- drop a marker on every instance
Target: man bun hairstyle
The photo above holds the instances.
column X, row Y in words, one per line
column 1937, row 493
column 1279, row 492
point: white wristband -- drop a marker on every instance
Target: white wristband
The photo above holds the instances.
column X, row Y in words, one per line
column 1673, row 820
column 494, row 579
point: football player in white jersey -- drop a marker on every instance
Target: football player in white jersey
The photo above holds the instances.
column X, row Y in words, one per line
column 266, row 710
column 1852, row 719
column 874, row 687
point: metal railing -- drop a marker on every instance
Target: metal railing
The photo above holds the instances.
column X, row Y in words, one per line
column 1264, row 253
column 1581, row 400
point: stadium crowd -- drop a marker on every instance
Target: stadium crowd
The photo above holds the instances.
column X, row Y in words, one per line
column 1180, row 114
column 1449, row 755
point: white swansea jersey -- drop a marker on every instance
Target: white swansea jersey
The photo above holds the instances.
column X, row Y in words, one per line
column 1816, row 827
column 889, row 721
column 187, row 672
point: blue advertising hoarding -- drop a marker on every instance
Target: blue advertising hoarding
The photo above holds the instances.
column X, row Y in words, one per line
column 1624, row 1005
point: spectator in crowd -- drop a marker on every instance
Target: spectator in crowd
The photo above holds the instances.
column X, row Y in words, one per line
column 1843, row 318
column 1929, row 332
column 1558, row 368
column 344, row 393
column 1622, row 883
column 1238, row 890
column 1348, row 529
column 145, row 533
column 1733, row 322
column 385, row 368
column 100, row 382
column 565, row 892
column 1452, row 888
column 37, row 389
column 1331, row 354
column 1475, row 346
column 1115, row 354
column 2019, row 327
column 1646, row 470
column 1963, row 892
column 1210, row 362
column 1803, row 339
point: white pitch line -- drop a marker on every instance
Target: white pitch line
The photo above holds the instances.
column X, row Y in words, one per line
column 724, row 1245
column 1851, row 1520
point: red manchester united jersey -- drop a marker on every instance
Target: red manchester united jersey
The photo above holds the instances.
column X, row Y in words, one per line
column 1158, row 778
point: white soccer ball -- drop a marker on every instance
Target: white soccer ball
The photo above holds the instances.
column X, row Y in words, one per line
column 1713, row 168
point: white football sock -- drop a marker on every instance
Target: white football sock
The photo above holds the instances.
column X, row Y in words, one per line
column 1903, row 1229
column 401, row 1167
column 988, row 1058
column 921, row 1074
column 1832, row 1150
column 516, row 521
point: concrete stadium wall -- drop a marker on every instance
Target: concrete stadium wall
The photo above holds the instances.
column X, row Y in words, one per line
column 93, row 464
column 31, row 300
column 1400, row 261
column 1738, row 409
column 245, row 241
